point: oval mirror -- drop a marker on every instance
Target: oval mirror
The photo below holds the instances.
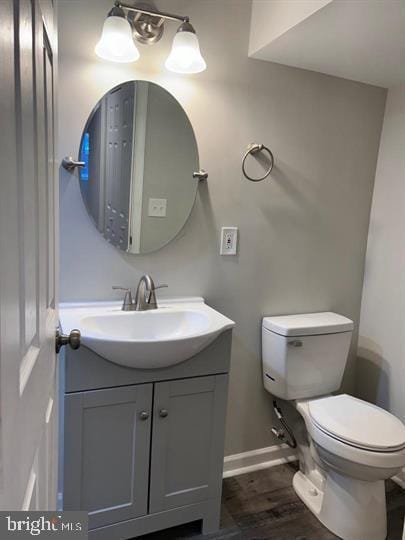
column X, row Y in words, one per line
column 140, row 154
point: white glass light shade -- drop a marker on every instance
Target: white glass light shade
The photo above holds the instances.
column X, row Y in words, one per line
column 116, row 43
column 185, row 56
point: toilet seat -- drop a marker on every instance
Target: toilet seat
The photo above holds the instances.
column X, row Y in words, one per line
column 357, row 423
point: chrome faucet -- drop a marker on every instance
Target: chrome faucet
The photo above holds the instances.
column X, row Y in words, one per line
column 145, row 297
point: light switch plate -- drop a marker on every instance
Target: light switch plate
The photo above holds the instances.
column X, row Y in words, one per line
column 157, row 207
column 229, row 240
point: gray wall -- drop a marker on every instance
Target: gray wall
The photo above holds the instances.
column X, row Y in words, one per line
column 381, row 362
column 302, row 232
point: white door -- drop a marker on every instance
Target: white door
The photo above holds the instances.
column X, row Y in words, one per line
column 28, row 315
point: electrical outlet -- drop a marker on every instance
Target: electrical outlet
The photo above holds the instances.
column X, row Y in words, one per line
column 157, row 207
column 229, row 240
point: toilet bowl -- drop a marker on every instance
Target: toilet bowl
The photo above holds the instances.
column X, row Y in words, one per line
column 352, row 459
column 349, row 446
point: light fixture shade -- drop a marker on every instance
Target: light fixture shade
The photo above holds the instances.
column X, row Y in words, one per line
column 116, row 43
column 185, row 56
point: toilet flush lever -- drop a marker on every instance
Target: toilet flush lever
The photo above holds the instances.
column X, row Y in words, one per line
column 295, row 343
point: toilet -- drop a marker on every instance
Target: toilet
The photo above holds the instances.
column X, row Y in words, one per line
column 348, row 447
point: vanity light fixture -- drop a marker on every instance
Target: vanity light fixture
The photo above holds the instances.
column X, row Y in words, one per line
column 185, row 56
column 116, row 43
column 125, row 23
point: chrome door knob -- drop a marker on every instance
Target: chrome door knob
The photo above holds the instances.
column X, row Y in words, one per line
column 73, row 339
column 163, row 413
column 143, row 415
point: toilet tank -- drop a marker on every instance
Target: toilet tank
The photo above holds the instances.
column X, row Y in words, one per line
column 304, row 355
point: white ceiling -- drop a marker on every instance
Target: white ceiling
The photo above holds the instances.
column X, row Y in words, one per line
column 353, row 39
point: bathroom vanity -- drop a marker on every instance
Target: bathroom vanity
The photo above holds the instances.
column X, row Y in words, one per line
column 143, row 448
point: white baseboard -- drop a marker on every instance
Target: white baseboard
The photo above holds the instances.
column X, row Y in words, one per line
column 263, row 458
column 400, row 480
column 255, row 460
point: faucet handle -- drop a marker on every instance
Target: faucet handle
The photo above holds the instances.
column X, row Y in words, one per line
column 128, row 304
column 162, row 286
column 120, row 288
column 152, row 303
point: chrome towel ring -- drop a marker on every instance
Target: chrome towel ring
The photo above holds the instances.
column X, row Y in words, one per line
column 253, row 149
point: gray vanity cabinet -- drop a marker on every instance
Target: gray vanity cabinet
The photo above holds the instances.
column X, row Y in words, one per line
column 144, row 449
column 107, row 442
column 187, row 441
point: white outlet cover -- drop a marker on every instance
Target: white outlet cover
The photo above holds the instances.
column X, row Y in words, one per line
column 229, row 240
column 157, row 207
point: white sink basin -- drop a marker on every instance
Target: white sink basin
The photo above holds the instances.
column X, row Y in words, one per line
column 174, row 332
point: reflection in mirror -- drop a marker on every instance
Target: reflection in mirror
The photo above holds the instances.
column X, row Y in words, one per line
column 140, row 154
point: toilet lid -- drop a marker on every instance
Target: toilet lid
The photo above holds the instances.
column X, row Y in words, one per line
column 358, row 423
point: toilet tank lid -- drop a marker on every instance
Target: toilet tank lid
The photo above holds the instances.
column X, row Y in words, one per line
column 308, row 324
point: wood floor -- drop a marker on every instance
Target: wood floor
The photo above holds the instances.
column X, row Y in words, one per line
column 263, row 506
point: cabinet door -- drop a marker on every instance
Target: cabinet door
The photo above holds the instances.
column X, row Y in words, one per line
column 107, row 439
column 187, row 441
